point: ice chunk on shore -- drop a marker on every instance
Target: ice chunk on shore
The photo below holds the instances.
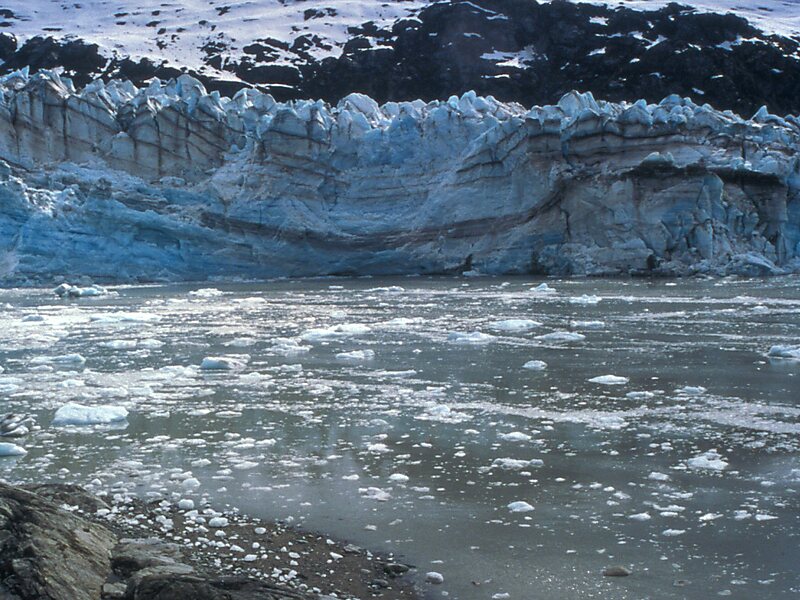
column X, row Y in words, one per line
column 520, row 507
column 356, row 355
column 609, row 380
column 785, row 352
column 473, row 337
column 7, row 449
column 77, row 414
column 711, row 460
column 515, row 325
column 535, row 365
column 224, row 363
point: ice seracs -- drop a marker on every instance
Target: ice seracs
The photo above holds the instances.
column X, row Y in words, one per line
column 242, row 182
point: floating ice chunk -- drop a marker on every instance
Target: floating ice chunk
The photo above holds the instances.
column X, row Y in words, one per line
column 585, row 300
column 7, row 449
column 63, row 360
column 150, row 343
column 218, row 522
column 588, row 324
column 473, row 337
column 520, row 507
column 711, row 460
column 288, row 347
column 374, row 493
column 77, row 414
column 515, row 325
column 207, row 293
column 710, row 517
column 32, row 318
column 673, row 532
column 74, row 291
column 224, row 363
column 443, row 414
column 378, row 448
column 609, row 380
column 543, row 288
column 765, row 517
column 785, row 352
column 191, row 483
column 402, row 322
column 513, row 464
column 643, row 516
column 639, row 395
column 186, row 504
column 515, row 436
column 690, row 390
column 335, row 332
column 656, row 476
column 398, row 478
column 535, row 365
column 356, row 355
column 120, row 344
column 561, row 336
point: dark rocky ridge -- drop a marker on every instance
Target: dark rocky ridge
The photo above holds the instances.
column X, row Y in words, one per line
column 616, row 53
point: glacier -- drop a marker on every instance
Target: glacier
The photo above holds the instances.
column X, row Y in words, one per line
column 169, row 182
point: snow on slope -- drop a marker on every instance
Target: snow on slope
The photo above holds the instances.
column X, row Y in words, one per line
column 178, row 31
column 772, row 16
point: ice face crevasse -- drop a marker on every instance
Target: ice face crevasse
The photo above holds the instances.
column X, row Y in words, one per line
column 170, row 182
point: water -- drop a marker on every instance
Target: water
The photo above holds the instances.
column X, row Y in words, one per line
column 286, row 436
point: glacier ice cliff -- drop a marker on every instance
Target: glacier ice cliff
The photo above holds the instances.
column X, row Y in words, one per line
column 170, row 182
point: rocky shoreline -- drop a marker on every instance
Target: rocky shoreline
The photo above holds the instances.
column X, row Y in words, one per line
column 59, row 542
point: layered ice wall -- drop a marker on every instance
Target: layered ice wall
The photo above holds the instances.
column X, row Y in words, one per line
column 170, row 182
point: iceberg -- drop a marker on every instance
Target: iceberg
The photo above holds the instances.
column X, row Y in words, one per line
column 77, row 414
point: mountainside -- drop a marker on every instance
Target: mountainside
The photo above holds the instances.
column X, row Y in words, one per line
column 169, row 182
column 516, row 50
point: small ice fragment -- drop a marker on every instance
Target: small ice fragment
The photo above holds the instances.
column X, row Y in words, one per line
column 639, row 395
column 186, row 504
column 520, row 507
column 585, row 300
column 643, row 516
column 515, row 325
column 356, row 355
column 515, row 436
column 656, row 476
column 543, row 288
column 64, row 360
column 710, row 460
column 561, row 336
column 474, row 337
column 609, row 380
column 513, row 464
column 691, row 390
column 224, row 363
column 398, row 477
column 535, row 365
column 673, row 532
column 374, row 493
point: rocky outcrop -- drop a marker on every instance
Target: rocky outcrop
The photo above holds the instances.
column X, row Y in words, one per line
column 169, row 182
column 48, row 552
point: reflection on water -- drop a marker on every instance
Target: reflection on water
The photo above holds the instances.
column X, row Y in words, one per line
column 683, row 467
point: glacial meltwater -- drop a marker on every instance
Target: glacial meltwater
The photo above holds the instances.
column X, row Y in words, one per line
column 517, row 436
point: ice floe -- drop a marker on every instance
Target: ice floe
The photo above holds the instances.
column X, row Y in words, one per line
column 609, row 380
column 535, row 365
column 78, row 414
column 470, row 338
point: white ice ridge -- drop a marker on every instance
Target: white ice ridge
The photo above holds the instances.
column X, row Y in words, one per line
column 170, row 182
